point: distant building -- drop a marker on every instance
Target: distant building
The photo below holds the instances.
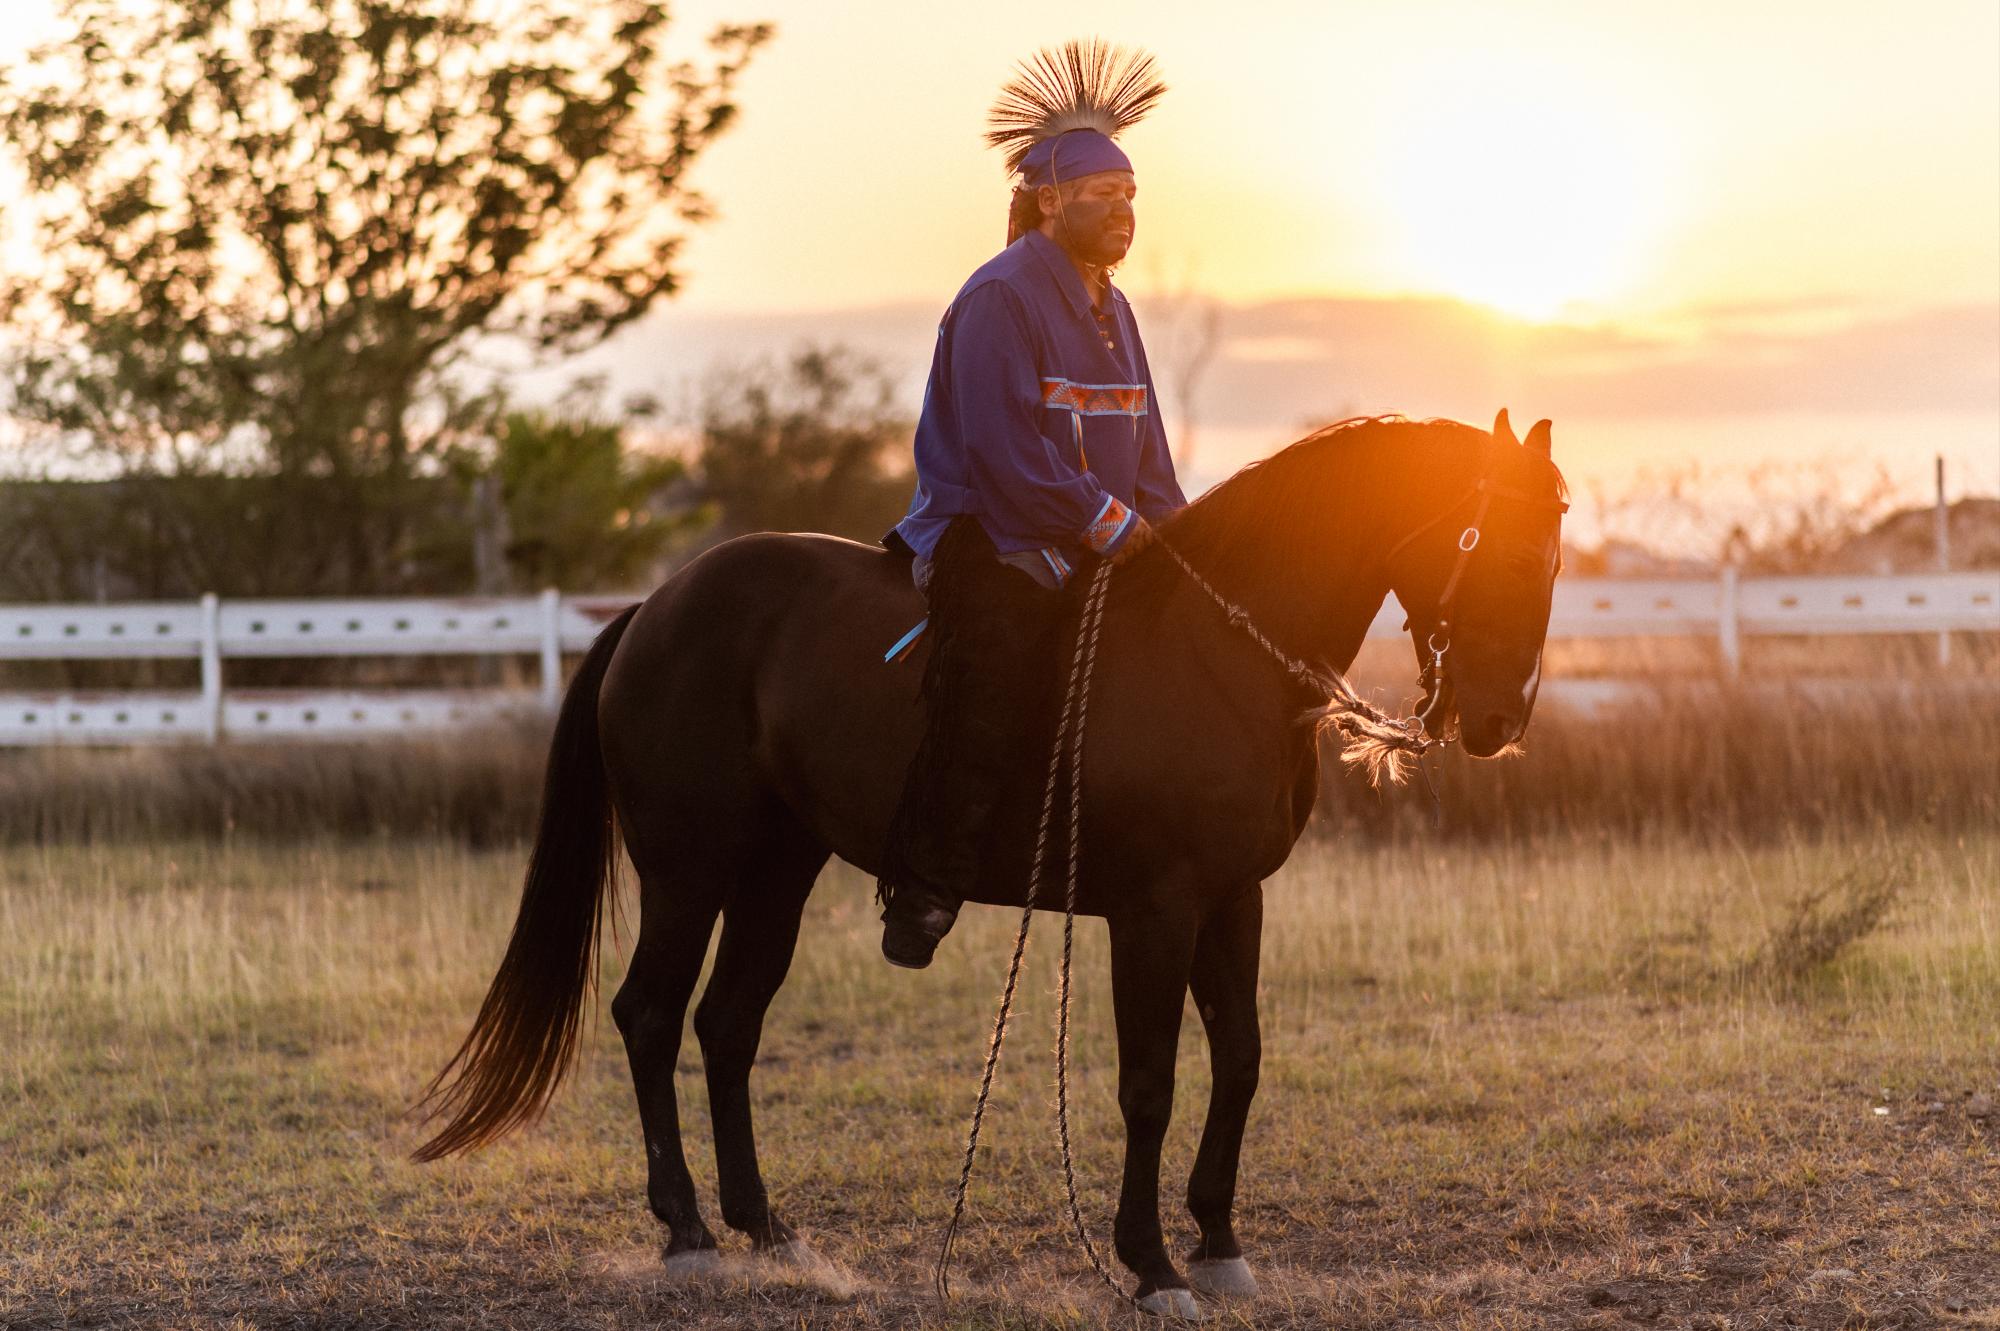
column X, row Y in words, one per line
column 1906, row 541
column 1903, row 542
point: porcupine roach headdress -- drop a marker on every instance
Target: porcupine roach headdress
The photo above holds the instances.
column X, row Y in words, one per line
column 1079, row 96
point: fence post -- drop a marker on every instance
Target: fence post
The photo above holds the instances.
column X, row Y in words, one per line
column 551, row 649
column 1727, row 628
column 1942, row 523
column 211, row 666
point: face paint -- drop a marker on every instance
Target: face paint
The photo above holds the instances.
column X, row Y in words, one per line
column 1097, row 225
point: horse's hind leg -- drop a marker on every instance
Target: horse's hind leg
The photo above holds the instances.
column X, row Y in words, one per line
column 760, row 926
column 677, row 915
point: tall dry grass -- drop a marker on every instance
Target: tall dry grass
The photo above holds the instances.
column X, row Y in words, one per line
column 479, row 789
column 174, row 938
column 1713, row 762
column 1706, row 762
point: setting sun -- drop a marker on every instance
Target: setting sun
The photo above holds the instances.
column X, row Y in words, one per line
column 1522, row 189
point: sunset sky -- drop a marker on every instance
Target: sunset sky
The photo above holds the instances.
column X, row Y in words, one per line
column 1711, row 231
column 1638, row 160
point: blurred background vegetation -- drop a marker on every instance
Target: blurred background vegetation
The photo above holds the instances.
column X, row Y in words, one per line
column 280, row 251
column 541, row 496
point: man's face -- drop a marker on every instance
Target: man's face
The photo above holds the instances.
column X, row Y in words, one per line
column 1094, row 219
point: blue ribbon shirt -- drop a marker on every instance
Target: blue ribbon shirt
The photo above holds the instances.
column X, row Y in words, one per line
column 1039, row 416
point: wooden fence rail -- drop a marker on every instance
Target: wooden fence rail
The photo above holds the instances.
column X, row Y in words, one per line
column 546, row 627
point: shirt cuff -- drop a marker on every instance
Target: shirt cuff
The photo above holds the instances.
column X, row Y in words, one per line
column 1109, row 527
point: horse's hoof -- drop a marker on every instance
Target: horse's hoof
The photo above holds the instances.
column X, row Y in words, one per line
column 1175, row 1304
column 693, row 1263
column 1223, row 1277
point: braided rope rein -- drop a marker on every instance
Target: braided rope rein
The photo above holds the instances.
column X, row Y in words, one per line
column 1093, row 620
column 1381, row 745
column 1374, row 739
column 1083, row 659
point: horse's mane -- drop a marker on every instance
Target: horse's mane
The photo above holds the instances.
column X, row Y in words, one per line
column 1225, row 528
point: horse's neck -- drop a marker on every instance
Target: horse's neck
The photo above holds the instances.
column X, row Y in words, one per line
column 1313, row 578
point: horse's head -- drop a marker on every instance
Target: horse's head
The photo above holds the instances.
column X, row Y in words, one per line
column 1476, row 580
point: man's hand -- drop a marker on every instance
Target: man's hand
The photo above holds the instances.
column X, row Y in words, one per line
column 1141, row 536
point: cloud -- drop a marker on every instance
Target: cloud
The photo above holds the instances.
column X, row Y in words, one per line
column 1294, row 360
column 1937, row 359
column 1286, row 363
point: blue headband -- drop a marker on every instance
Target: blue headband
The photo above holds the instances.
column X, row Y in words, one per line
column 1083, row 152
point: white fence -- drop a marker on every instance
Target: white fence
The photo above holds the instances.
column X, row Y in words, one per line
column 212, row 631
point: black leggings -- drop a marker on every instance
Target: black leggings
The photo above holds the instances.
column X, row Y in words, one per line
column 986, row 687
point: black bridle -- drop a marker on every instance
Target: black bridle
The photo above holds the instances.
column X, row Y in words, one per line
column 1438, row 638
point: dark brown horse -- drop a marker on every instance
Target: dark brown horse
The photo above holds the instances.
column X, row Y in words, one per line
column 741, row 726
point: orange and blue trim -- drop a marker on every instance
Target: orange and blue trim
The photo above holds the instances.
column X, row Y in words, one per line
column 1108, row 527
column 1094, row 399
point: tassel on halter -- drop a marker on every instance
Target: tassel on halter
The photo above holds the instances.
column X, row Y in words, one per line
column 1384, row 751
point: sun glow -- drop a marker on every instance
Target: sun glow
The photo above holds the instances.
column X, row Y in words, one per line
column 1527, row 195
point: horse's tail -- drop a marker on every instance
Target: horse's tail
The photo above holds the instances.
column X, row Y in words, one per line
column 525, row 1035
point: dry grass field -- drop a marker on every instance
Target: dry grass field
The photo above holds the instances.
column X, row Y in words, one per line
column 1913, row 749
column 1584, row 1081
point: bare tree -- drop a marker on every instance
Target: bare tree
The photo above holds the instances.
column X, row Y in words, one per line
column 1183, row 333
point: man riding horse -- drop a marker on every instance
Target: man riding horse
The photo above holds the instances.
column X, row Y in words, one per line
column 737, row 729
column 1038, row 449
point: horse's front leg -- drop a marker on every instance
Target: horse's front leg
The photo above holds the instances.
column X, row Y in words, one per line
column 1151, row 952
column 1224, row 981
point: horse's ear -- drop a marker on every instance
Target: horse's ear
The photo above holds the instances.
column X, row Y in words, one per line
column 1503, row 430
column 1538, row 438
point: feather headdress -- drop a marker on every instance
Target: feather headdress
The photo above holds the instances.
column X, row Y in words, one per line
column 1079, row 85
